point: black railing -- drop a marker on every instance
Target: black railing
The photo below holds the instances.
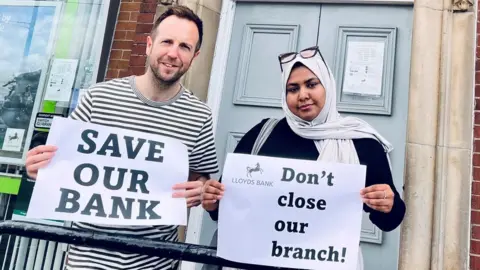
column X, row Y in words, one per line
column 173, row 250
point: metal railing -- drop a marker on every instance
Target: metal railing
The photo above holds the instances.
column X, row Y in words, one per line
column 23, row 253
column 166, row 249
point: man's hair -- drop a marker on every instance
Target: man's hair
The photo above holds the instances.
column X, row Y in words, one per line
column 182, row 12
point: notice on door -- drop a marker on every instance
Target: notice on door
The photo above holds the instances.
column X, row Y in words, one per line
column 364, row 68
column 290, row 213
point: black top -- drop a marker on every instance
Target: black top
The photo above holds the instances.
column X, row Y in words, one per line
column 284, row 143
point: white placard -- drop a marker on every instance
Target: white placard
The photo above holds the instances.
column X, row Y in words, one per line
column 76, row 185
column 290, row 213
column 364, row 68
column 13, row 139
column 61, row 79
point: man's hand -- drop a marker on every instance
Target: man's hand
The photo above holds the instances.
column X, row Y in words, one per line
column 38, row 158
column 193, row 189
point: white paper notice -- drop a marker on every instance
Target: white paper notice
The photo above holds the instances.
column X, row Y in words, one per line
column 290, row 213
column 108, row 175
column 364, row 68
column 61, row 79
column 13, row 139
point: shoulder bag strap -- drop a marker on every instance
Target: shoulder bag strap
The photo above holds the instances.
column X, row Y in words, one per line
column 263, row 135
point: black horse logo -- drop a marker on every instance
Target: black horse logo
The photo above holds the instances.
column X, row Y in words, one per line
column 13, row 138
column 254, row 169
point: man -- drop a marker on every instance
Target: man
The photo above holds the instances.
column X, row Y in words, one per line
column 155, row 102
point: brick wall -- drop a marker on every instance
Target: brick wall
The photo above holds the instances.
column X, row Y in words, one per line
column 135, row 21
column 475, row 213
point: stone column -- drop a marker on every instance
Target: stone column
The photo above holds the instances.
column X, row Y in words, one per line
column 198, row 77
column 435, row 232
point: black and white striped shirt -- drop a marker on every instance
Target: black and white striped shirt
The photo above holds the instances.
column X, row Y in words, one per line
column 118, row 103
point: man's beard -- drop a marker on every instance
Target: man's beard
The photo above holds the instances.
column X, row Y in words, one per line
column 166, row 82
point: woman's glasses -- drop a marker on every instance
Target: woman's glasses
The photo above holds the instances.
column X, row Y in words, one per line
column 305, row 54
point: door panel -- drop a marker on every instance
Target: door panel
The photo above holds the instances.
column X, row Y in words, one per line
column 252, row 84
column 340, row 24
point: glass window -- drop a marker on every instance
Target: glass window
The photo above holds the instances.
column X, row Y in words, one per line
column 50, row 52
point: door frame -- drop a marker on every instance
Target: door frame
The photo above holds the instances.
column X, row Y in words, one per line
column 217, row 80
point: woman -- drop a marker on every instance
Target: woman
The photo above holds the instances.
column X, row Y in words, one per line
column 313, row 130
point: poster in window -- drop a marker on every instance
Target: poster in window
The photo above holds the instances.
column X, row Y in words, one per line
column 27, row 32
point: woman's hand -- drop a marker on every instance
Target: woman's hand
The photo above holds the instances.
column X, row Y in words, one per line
column 211, row 194
column 378, row 197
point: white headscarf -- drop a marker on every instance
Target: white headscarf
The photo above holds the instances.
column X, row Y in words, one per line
column 331, row 132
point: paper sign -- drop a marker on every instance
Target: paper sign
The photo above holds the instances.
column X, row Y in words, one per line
column 364, row 68
column 290, row 213
column 109, row 175
column 61, row 79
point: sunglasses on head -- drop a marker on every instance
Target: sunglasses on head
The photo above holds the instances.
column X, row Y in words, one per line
column 305, row 54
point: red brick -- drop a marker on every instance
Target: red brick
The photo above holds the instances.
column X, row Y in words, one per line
column 476, row 173
column 130, row 6
column 119, row 35
column 134, row 16
column 474, row 262
column 475, row 202
column 476, row 131
column 146, row 17
column 112, row 73
column 477, row 89
column 475, row 217
column 138, row 60
column 141, row 48
column 476, row 159
column 475, row 247
column 118, row 64
column 126, row 55
column 130, row 35
column 142, row 38
column 138, row 70
column 128, row 26
column 125, row 73
column 127, row 44
column 476, row 232
column 476, row 145
column 116, row 54
column 476, row 187
column 148, row 8
column 124, row 16
column 477, row 114
column 144, row 28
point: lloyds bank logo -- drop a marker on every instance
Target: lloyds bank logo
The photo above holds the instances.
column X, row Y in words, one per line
column 257, row 168
column 249, row 181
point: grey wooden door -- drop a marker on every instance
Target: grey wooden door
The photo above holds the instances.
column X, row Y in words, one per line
column 252, row 84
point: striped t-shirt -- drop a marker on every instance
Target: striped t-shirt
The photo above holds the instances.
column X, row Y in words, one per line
column 118, row 103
